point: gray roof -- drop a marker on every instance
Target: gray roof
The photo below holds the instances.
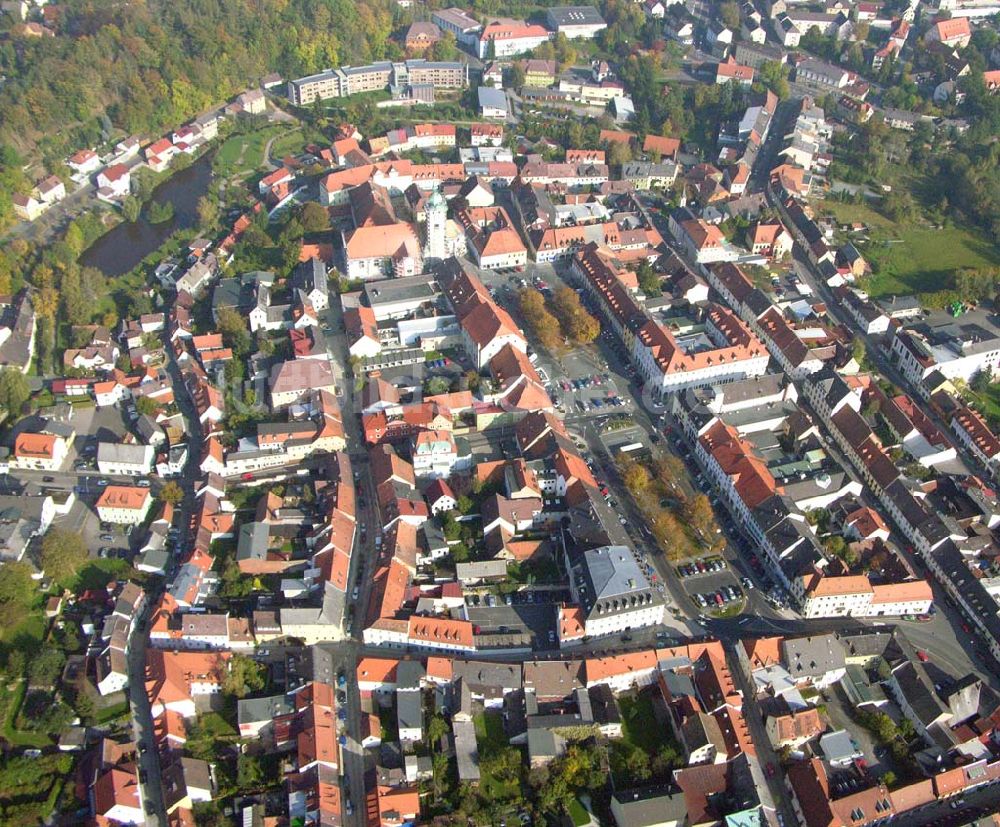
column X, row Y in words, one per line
column 252, row 542
column 250, row 710
column 409, row 710
column 134, row 453
column 409, row 674
column 838, row 746
column 466, row 750
column 155, row 560
column 553, row 679
column 480, row 569
column 609, row 580
column 575, row 16
column 487, row 679
column 918, row 689
column 813, row 656
column 494, row 98
column 545, row 744
column 648, row 806
column 310, row 275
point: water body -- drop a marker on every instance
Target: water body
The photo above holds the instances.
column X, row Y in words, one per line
column 125, row 245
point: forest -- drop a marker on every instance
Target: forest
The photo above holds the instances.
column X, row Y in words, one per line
column 144, row 67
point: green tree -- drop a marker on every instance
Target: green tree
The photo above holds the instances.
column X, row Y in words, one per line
column 436, row 385
column 131, row 208
column 146, row 406
column 76, row 309
column 314, row 217
column 245, row 675
column 235, row 333
column 250, row 774
column 437, row 728
column 13, row 392
column 63, row 554
column 729, row 13
column 517, row 75
column 171, row 493
column 649, row 282
column 16, row 662
column 208, row 212
column 85, row 706
column 46, row 666
column 17, row 591
column 160, row 212
column 774, row 76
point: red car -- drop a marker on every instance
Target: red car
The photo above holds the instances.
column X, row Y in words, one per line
column 922, row 655
column 247, row 476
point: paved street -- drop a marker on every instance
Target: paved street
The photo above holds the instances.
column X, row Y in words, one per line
column 150, row 791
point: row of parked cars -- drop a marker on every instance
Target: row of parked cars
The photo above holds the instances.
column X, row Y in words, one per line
column 700, row 566
column 720, row 597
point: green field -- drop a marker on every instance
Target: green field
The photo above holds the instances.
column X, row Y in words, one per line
column 914, row 258
column 294, row 141
column 241, row 155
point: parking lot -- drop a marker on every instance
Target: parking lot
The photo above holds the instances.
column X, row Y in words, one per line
column 578, row 380
column 711, row 584
column 533, row 618
column 743, row 562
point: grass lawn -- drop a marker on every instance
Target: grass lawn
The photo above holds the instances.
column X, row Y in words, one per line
column 915, row 258
column 639, row 724
column 577, row 812
column 731, row 610
column 111, row 713
column 96, row 574
column 491, row 739
column 19, row 737
column 28, row 634
column 242, row 154
column 987, row 402
column 294, row 141
column 489, row 731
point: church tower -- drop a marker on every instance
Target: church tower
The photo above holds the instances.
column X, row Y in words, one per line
column 435, row 220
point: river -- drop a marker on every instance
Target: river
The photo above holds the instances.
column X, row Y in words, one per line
column 125, row 245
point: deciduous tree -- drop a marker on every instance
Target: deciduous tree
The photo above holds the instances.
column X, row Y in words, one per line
column 63, row 554
column 245, row 675
column 13, row 391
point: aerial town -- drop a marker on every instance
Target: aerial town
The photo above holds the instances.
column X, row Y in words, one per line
column 589, row 418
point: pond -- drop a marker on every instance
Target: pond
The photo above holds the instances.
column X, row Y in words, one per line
column 125, row 245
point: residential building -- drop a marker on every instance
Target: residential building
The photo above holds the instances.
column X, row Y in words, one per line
column 124, row 505
column 39, row 451
column 612, row 591
column 350, row 80
column 133, row 459
column 297, row 381
column 492, row 103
